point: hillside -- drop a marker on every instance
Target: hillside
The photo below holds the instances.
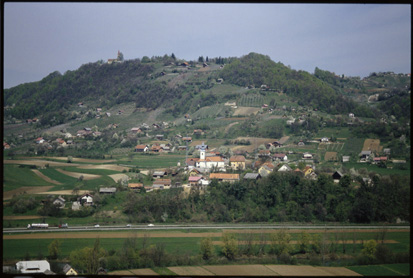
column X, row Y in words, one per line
column 180, row 87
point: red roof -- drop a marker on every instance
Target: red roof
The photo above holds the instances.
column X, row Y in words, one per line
column 237, row 158
column 194, row 178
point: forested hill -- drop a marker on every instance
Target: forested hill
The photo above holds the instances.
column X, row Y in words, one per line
column 256, row 69
column 176, row 85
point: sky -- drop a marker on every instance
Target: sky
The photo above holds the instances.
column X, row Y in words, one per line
column 349, row 39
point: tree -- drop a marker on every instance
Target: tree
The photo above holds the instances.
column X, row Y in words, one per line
column 206, row 248
column 120, row 56
column 230, row 247
column 304, row 242
column 87, row 259
column 54, row 249
column 173, row 57
column 369, row 248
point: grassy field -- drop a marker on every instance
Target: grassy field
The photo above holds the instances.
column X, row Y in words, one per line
column 342, row 132
column 153, row 161
column 378, row 170
column 16, row 177
column 382, row 270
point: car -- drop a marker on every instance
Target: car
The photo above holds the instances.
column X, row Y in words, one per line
column 128, row 225
column 150, row 225
column 97, row 226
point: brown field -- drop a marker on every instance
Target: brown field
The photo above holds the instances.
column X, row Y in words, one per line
column 190, row 270
column 143, row 271
column 62, row 192
column 46, row 178
column 296, row 270
column 243, row 270
column 330, row 156
column 77, row 175
column 25, row 189
column 83, row 159
column 338, row 271
column 22, row 217
column 105, row 167
column 117, row 177
column 197, row 142
column 241, row 111
column 40, row 163
column 372, row 145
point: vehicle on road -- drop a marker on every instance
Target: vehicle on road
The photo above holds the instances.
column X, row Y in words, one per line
column 63, row 226
column 150, row 225
column 128, row 225
column 97, row 226
column 38, row 226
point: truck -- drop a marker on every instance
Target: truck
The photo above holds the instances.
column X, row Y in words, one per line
column 63, row 226
column 38, row 226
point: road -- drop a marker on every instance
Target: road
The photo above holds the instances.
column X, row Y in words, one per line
column 192, row 227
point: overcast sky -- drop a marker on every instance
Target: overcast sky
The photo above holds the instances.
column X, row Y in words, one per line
column 350, row 39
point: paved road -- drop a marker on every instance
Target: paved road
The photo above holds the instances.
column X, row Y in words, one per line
column 191, row 227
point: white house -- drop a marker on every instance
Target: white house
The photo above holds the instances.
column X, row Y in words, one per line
column 280, row 156
column 33, row 266
column 307, row 156
column 324, row 139
column 285, row 168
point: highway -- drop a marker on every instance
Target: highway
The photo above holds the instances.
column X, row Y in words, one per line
column 197, row 227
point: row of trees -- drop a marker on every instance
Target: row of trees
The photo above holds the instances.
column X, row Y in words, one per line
column 277, row 198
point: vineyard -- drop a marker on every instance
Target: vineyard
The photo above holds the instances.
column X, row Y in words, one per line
column 251, row 100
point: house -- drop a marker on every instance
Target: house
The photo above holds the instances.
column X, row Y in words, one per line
column 6, row 146
column 187, row 139
column 141, row 148
column 280, row 156
column 379, row 159
column 324, row 139
column 162, row 184
column 40, row 140
column 337, row 176
column 86, row 199
column 68, row 135
column 301, row 143
column 76, row 205
column 135, row 186
column 237, row 162
column 136, row 130
column 386, row 151
column 266, row 169
column 285, row 168
column 156, row 148
column 61, row 142
column 158, row 174
column 80, row 104
column 60, row 202
column 182, row 148
column 29, row 267
column 198, row 131
column 307, row 156
column 97, row 133
column 201, row 147
column 351, row 115
column 264, row 153
column 98, row 109
column 365, row 155
column 224, row 177
column 191, row 162
column 159, row 136
column 308, row 170
column 107, row 190
column 346, row 158
column 68, row 270
column 252, row 176
column 185, row 64
column 195, row 180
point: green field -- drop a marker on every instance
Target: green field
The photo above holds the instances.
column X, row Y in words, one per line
column 382, row 270
column 16, row 177
column 153, row 161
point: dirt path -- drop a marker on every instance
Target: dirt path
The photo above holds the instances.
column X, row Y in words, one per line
column 117, row 177
column 46, row 178
column 25, row 189
column 105, row 167
column 37, row 162
column 77, row 175
column 63, row 192
column 83, row 159
column 229, row 126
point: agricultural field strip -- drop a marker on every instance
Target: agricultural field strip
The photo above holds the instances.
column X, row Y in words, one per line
column 125, row 234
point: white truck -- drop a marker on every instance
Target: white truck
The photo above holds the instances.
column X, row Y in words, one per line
column 38, row 226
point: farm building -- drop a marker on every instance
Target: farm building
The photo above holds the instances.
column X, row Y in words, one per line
column 195, row 180
column 266, row 169
column 59, row 201
column 346, row 158
column 285, row 168
column 107, row 190
column 252, row 176
column 162, row 184
column 324, row 139
column 158, row 174
column 365, row 155
column 68, row 270
column 280, row 156
column 337, row 175
column 224, row 177
column 135, row 186
column 86, row 199
column 307, row 156
column 33, row 266
column 141, row 148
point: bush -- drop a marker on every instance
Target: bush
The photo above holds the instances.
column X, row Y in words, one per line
column 285, row 258
column 402, row 257
column 383, row 254
column 364, row 260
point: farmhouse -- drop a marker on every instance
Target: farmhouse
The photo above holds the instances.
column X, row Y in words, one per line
column 107, row 190
column 324, row 139
column 365, row 155
column 224, row 177
column 307, row 156
column 266, row 169
column 86, row 199
column 60, row 202
column 280, row 156
column 162, row 184
column 379, row 159
column 308, row 171
column 156, row 148
column 68, row 270
column 187, row 139
column 135, row 186
column 346, row 158
column 237, row 162
column 33, row 266
column 141, row 148
column 136, row 130
column 195, row 180
column 158, row 174
column 40, row 140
